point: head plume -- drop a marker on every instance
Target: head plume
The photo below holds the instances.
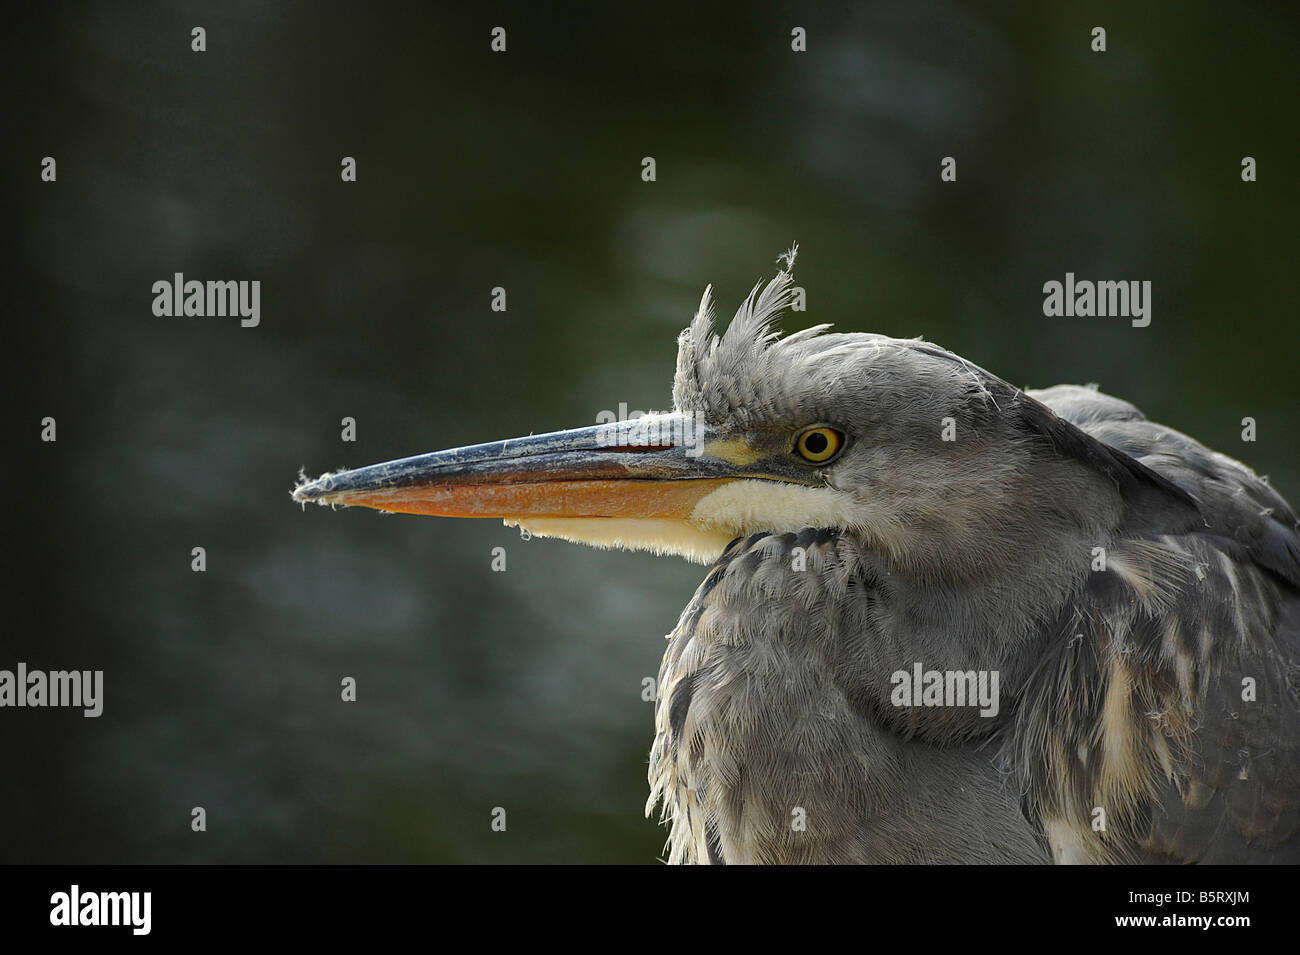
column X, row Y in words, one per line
column 718, row 373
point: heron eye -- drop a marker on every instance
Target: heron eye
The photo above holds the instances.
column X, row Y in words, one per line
column 818, row 445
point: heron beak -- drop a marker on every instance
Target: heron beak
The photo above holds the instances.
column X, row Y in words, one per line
column 650, row 467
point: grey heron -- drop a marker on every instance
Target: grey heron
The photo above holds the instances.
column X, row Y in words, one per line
column 875, row 509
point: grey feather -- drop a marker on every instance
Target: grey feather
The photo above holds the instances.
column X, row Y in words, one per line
column 1122, row 688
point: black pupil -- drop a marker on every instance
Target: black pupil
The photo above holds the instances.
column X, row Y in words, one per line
column 816, row 443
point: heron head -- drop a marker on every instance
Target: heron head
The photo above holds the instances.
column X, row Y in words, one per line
column 935, row 462
column 895, row 440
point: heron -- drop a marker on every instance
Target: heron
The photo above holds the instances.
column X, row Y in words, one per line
column 877, row 512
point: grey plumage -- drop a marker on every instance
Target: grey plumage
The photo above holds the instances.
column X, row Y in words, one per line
column 1135, row 596
column 1122, row 688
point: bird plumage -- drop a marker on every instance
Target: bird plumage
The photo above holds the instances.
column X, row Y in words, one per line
column 1138, row 595
column 966, row 623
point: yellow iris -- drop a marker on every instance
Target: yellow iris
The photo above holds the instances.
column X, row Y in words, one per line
column 818, row 444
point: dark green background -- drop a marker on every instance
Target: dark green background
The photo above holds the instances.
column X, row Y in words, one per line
column 522, row 170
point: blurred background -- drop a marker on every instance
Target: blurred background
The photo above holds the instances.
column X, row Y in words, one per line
column 523, row 170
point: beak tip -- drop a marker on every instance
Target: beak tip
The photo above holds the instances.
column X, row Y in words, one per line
column 307, row 491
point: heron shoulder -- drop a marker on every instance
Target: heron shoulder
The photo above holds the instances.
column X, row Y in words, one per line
column 1167, row 698
column 1234, row 503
